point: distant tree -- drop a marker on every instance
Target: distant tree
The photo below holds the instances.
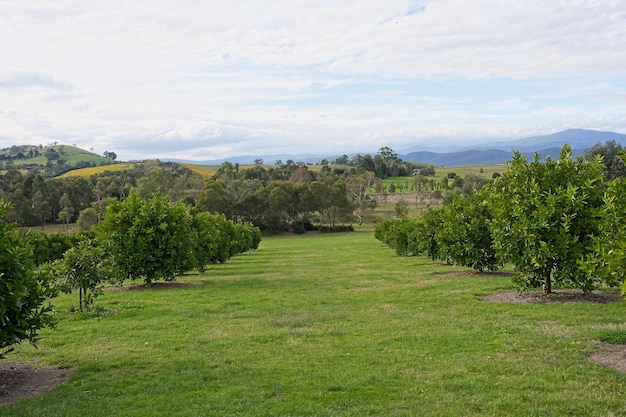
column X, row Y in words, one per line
column 51, row 154
column 41, row 208
column 359, row 187
column 24, row 290
column 342, row 160
column 301, row 174
column 214, row 198
column 367, row 164
column 87, row 218
column 67, row 211
column 427, row 171
column 609, row 152
column 402, row 208
column 473, row 183
column 158, row 181
column 110, row 155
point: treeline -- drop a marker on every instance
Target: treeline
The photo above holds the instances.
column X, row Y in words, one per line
column 560, row 222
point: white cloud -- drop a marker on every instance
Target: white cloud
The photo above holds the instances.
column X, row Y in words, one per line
column 207, row 78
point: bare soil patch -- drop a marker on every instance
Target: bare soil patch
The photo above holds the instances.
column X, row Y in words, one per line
column 613, row 356
column 557, row 297
column 475, row 273
column 18, row 381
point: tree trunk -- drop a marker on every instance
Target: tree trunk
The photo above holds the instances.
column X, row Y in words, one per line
column 547, row 283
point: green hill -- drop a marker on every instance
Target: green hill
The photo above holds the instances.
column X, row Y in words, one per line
column 50, row 160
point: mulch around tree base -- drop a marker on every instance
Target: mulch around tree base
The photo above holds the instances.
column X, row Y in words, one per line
column 155, row 286
column 613, row 356
column 556, row 297
column 18, row 381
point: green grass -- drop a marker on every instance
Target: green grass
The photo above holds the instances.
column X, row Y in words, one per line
column 328, row 325
column 70, row 154
column 405, row 184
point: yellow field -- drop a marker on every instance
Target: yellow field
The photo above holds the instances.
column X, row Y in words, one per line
column 87, row 172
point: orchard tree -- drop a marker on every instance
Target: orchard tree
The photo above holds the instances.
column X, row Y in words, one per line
column 23, row 290
column 85, row 267
column 544, row 218
column 607, row 261
column 148, row 240
column 399, row 234
column 465, row 237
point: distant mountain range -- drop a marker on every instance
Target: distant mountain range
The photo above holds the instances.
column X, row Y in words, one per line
column 501, row 152
column 489, row 153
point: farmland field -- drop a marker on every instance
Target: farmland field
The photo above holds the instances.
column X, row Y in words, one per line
column 328, row 325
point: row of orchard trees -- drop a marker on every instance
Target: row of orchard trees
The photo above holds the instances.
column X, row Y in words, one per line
column 145, row 240
column 150, row 240
column 559, row 222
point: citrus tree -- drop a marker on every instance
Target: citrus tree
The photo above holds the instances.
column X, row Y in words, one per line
column 607, row 261
column 464, row 235
column 150, row 239
column 544, row 217
column 23, row 289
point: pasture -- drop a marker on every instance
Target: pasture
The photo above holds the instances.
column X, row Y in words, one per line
column 328, row 325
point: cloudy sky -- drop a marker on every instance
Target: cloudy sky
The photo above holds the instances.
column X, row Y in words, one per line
column 210, row 79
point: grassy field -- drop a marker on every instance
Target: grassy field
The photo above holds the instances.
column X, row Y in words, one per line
column 328, row 325
column 485, row 171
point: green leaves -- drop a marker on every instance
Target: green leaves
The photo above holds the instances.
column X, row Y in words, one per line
column 23, row 290
column 548, row 229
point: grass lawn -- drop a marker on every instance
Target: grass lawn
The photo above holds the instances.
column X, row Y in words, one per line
column 328, row 325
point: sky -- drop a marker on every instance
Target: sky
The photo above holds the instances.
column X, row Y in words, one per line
column 202, row 80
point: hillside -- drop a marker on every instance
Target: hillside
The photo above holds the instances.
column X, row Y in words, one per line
column 50, row 160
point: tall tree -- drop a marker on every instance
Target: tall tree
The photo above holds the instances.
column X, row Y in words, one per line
column 359, row 187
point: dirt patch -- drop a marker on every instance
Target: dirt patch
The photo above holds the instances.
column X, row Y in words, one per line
column 18, row 381
column 613, row 356
column 476, row 274
column 155, row 286
column 557, row 297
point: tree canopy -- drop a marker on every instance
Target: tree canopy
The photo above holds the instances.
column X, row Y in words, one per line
column 23, row 290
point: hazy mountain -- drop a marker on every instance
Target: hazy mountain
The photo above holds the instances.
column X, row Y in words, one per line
column 576, row 138
column 498, row 152
column 501, row 152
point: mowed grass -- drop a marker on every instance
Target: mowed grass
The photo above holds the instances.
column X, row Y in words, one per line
column 328, row 325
